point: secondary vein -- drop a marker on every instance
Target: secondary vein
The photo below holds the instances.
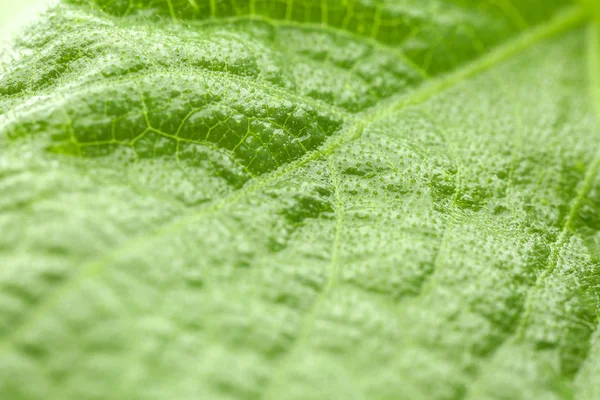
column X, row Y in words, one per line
column 582, row 193
column 310, row 318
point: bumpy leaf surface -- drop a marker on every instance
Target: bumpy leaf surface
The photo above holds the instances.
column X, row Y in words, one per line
column 301, row 199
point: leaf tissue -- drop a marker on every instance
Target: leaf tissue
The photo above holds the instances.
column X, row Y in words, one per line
column 301, row 199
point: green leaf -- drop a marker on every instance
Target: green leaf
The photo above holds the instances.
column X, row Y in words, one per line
column 301, row 199
column 592, row 7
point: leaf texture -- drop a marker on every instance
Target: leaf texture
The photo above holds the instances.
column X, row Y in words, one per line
column 301, row 199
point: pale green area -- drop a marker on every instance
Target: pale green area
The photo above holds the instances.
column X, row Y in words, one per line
column 15, row 14
column 290, row 200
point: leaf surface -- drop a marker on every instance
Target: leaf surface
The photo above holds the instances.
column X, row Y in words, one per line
column 301, row 200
